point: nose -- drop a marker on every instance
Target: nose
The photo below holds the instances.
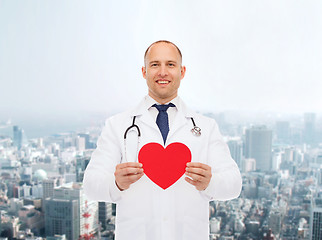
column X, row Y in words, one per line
column 163, row 71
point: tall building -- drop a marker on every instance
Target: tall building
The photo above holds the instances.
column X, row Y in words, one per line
column 319, row 176
column 74, row 191
column 309, row 128
column 316, row 219
column 275, row 220
column 17, row 136
column 62, row 217
column 81, row 164
column 86, row 137
column 49, row 186
column 236, row 150
column 104, row 213
column 248, row 165
column 259, row 146
column 282, row 129
column 80, row 143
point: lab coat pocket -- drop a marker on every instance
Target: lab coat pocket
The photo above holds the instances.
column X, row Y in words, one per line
column 130, row 229
column 195, row 229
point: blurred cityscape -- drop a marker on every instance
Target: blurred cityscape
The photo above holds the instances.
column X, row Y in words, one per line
column 41, row 195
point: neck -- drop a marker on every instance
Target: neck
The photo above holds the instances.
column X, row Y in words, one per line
column 163, row 100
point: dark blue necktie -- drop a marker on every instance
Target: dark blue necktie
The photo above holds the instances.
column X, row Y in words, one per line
column 162, row 119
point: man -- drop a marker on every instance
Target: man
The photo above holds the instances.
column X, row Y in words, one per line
column 145, row 209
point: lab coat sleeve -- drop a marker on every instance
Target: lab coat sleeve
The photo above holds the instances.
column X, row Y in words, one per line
column 226, row 182
column 99, row 180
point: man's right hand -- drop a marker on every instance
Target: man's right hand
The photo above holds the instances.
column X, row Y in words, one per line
column 127, row 173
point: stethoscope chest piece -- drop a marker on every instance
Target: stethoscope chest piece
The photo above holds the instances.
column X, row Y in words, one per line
column 196, row 131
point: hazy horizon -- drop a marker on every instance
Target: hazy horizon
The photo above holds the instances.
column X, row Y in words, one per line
column 40, row 126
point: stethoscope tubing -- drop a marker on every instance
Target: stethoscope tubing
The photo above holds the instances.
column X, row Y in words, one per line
column 132, row 126
column 195, row 131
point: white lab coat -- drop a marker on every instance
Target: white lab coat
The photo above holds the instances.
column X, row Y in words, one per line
column 145, row 211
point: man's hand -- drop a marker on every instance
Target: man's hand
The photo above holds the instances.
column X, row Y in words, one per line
column 200, row 174
column 127, row 173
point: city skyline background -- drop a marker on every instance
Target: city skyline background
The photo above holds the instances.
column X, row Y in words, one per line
column 254, row 66
column 63, row 61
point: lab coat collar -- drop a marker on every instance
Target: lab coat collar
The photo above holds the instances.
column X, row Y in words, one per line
column 149, row 102
column 144, row 105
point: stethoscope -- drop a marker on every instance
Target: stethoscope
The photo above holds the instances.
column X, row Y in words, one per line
column 196, row 131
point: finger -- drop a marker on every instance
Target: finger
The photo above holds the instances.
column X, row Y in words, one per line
column 199, row 185
column 196, row 177
column 129, row 171
column 132, row 178
column 189, row 180
column 124, row 182
column 129, row 164
column 194, row 183
column 198, row 165
column 198, row 171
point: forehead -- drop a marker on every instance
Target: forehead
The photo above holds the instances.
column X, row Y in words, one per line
column 163, row 52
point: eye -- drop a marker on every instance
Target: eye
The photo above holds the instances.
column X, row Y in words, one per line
column 154, row 64
column 171, row 64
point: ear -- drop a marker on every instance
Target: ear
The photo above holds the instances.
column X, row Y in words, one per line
column 183, row 71
column 144, row 72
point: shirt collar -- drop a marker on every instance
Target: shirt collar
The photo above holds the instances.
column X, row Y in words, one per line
column 149, row 101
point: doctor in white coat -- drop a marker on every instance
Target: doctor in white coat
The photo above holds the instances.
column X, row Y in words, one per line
column 145, row 211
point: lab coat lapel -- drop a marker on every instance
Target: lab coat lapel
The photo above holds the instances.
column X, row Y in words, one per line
column 148, row 120
column 179, row 121
column 182, row 117
column 143, row 115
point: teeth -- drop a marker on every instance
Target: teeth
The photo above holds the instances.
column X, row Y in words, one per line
column 163, row 82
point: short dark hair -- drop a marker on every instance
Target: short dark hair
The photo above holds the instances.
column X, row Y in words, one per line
column 162, row 41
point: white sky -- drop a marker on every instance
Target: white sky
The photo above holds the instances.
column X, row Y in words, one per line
column 65, row 56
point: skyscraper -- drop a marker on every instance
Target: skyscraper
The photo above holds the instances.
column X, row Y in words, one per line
column 73, row 191
column 105, row 213
column 236, row 150
column 62, row 217
column 49, row 185
column 86, row 136
column 17, row 136
column 309, row 128
column 259, row 146
column 282, row 129
column 81, row 164
column 316, row 219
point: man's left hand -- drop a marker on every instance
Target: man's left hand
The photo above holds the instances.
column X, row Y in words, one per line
column 199, row 173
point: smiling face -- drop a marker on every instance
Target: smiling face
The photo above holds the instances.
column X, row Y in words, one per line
column 163, row 71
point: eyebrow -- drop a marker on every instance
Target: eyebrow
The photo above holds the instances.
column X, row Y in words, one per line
column 169, row 61
column 154, row 62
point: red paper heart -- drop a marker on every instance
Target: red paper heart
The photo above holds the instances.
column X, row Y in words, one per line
column 164, row 166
